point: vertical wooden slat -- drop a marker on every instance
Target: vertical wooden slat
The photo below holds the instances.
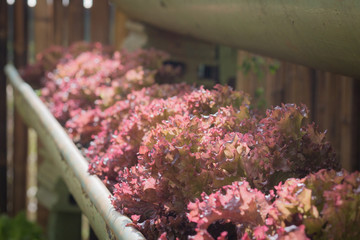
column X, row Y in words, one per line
column 3, row 107
column 59, row 23
column 274, row 92
column 76, row 21
column 20, row 33
column 298, row 84
column 100, row 20
column 328, row 98
column 120, row 31
column 246, row 82
column 301, row 86
column 322, row 88
column 262, row 78
column 43, row 25
column 346, row 123
column 44, row 38
column 68, row 22
column 64, row 25
column 20, row 129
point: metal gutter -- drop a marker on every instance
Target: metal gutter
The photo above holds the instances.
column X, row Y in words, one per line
column 89, row 192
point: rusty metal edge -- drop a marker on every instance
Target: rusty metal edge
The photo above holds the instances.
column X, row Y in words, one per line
column 90, row 193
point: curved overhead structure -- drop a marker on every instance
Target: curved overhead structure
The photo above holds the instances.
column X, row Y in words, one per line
column 324, row 34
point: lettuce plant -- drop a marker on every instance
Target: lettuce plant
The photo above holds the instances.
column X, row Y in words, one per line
column 323, row 205
column 188, row 162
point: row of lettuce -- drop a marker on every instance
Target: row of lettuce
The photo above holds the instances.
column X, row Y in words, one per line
column 184, row 162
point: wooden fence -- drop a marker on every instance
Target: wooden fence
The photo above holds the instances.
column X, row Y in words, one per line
column 332, row 99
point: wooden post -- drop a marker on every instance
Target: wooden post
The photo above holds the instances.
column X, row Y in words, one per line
column 59, row 23
column 20, row 33
column 20, row 129
column 76, row 21
column 3, row 108
column 43, row 25
column 100, row 21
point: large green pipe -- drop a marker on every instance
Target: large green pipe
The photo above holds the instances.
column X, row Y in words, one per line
column 324, row 34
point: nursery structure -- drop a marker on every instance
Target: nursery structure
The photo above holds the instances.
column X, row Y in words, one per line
column 63, row 173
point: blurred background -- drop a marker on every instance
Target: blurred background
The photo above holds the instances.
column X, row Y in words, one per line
column 28, row 27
